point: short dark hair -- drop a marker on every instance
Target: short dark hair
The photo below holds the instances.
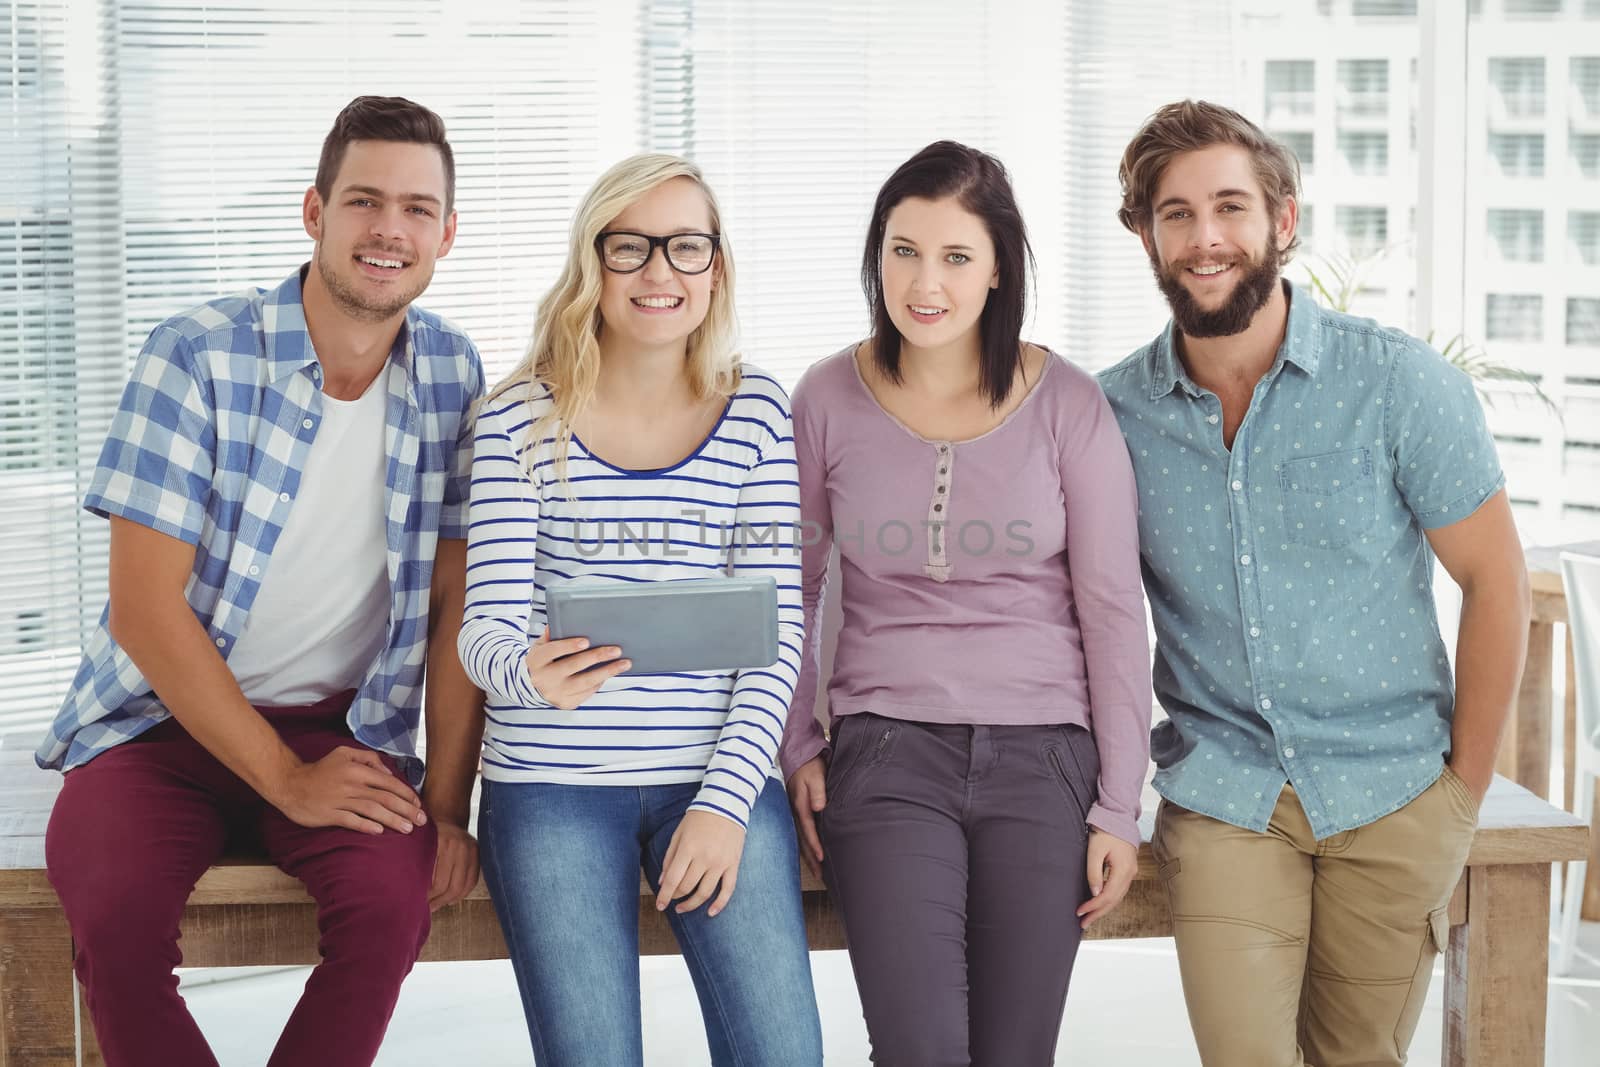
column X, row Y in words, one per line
column 384, row 118
column 1188, row 126
column 980, row 184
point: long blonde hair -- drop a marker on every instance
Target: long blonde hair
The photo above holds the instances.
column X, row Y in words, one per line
column 565, row 353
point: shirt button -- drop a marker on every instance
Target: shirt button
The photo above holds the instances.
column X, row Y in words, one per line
column 944, row 470
column 1266, row 703
column 941, row 488
column 1288, row 753
column 938, row 507
column 221, row 641
column 1255, row 631
column 285, row 498
column 1237, row 485
column 254, row 571
column 1245, row 559
column 306, row 424
column 1212, row 419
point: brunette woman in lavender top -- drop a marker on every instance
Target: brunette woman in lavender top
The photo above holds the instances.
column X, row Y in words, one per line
column 990, row 697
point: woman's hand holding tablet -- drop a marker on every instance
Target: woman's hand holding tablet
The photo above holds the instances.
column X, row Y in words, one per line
column 569, row 672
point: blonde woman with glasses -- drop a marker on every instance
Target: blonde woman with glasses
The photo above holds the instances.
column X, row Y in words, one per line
column 625, row 448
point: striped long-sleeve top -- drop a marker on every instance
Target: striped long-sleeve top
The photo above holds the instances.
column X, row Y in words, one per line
column 731, row 507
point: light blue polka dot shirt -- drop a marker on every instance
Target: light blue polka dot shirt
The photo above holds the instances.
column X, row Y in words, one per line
column 1290, row 580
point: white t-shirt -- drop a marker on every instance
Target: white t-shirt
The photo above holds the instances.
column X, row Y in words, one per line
column 321, row 614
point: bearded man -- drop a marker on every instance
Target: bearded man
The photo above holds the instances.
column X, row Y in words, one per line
column 1299, row 470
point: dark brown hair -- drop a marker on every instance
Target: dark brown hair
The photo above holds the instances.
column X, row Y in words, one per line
column 1187, row 126
column 980, row 184
column 384, row 118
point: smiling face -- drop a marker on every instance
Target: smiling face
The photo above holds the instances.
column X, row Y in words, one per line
column 656, row 306
column 938, row 267
column 1213, row 242
column 382, row 228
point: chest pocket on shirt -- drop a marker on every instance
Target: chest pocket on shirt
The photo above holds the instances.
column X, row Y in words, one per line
column 1328, row 500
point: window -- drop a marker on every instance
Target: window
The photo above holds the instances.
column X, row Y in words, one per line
column 1516, row 236
column 1290, row 89
column 1518, row 85
column 1365, row 154
column 1583, row 237
column 1364, row 231
column 1514, row 317
column 1384, row 8
column 1363, row 88
column 1585, row 149
column 1525, row 8
column 1518, row 155
column 1583, row 321
column 1302, row 144
column 1585, row 72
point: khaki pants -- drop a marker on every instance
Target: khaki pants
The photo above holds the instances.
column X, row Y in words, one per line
column 1299, row 952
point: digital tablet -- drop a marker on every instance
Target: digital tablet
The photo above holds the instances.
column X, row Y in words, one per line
column 700, row 624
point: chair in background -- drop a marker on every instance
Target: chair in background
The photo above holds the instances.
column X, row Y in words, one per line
column 1581, row 577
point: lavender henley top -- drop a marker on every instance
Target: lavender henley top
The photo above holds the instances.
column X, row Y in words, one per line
column 989, row 581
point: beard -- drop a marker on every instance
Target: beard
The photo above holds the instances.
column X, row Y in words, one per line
column 1250, row 294
column 357, row 304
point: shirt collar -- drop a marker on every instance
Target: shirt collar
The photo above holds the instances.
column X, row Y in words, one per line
column 1302, row 344
column 288, row 339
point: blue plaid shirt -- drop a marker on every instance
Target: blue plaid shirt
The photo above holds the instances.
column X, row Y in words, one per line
column 208, row 446
column 1290, row 578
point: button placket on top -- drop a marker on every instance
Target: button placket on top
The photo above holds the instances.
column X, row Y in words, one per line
column 1250, row 595
column 938, row 566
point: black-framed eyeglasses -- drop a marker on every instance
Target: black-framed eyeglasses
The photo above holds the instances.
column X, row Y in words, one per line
column 623, row 251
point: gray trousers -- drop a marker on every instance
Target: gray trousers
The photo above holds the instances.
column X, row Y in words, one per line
column 956, row 857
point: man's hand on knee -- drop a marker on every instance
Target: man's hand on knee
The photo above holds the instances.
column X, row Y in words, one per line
column 348, row 787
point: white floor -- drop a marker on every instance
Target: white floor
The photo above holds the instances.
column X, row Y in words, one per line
column 1126, row 1008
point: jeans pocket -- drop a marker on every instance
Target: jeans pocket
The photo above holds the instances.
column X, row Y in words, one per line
column 868, row 743
column 1465, row 806
column 1066, row 769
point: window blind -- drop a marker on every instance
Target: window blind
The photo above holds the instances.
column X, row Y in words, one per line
column 155, row 156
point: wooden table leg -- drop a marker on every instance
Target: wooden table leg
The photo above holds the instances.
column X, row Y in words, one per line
column 36, row 984
column 1525, row 755
column 1496, row 982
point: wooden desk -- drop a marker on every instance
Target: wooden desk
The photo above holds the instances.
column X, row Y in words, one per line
column 1525, row 756
column 246, row 912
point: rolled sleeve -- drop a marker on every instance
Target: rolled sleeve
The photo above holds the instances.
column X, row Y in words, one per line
column 1444, row 456
column 157, row 462
column 458, row 487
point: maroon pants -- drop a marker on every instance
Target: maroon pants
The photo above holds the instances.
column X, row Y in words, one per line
column 136, row 827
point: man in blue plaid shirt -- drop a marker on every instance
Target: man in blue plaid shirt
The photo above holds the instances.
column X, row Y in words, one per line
column 286, row 485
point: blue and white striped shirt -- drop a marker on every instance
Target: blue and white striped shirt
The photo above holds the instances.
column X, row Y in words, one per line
column 733, row 506
column 208, row 446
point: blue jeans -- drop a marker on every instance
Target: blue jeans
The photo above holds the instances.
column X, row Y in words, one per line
column 562, row 863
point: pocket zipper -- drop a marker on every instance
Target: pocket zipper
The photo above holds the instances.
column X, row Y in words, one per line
column 877, row 753
column 1066, row 780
